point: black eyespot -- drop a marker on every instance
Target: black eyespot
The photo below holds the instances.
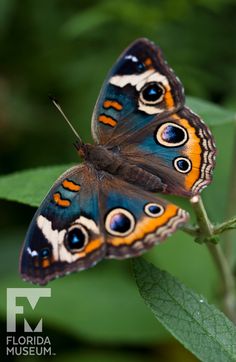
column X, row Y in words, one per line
column 77, row 238
column 119, row 222
column 153, row 209
column 44, row 253
column 182, row 164
column 131, row 65
column 152, row 93
column 171, row 135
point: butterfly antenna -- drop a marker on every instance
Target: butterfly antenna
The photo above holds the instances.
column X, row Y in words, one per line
column 79, row 141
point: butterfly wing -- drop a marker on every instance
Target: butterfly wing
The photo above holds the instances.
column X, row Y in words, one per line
column 141, row 113
column 88, row 216
column 64, row 234
column 179, row 149
column 135, row 220
column 122, row 105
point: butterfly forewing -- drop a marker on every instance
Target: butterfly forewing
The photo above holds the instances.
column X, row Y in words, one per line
column 65, row 233
column 138, row 87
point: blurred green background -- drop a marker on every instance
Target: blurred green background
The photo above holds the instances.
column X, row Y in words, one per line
column 65, row 48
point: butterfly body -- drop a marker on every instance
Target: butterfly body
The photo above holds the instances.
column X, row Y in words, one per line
column 145, row 141
column 113, row 162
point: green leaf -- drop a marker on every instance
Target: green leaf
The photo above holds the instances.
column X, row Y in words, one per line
column 211, row 113
column 199, row 326
column 30, row 186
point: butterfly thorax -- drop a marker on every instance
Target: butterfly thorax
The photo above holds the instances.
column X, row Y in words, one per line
column 111, row 161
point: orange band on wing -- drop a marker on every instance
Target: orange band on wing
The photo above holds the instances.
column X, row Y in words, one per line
column 145, row 226
column 59, row 201
column 193, row 152
column 70, row 185
column 169, row 99
column 112, row 104
column 93, row 245
column 107, row 120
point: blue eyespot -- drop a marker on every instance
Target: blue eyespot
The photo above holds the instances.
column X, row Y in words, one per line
column 77, row 238
column 140, row 67
column 170, row 134
column 182, row 164
column 119, row 222
column 173, row 134
column 152, row 93
column 44, row 253
column 154, row 209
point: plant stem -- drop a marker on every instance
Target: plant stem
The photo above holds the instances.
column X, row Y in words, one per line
column 228, row 284
column 205, row 226
column 206, row 232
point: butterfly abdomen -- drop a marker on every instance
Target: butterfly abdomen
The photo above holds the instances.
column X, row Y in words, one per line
column 112, row 162
column 138, row 176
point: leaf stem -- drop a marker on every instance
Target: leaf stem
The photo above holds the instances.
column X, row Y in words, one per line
column 224, row 226
column 190, row 229
column 206, row 234
column 217, row 229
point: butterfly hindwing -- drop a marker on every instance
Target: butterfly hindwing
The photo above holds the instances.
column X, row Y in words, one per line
column 179, row 149
column 135, row 220
column 64, row 234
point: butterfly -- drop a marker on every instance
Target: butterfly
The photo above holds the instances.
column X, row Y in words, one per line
column 145, row 141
